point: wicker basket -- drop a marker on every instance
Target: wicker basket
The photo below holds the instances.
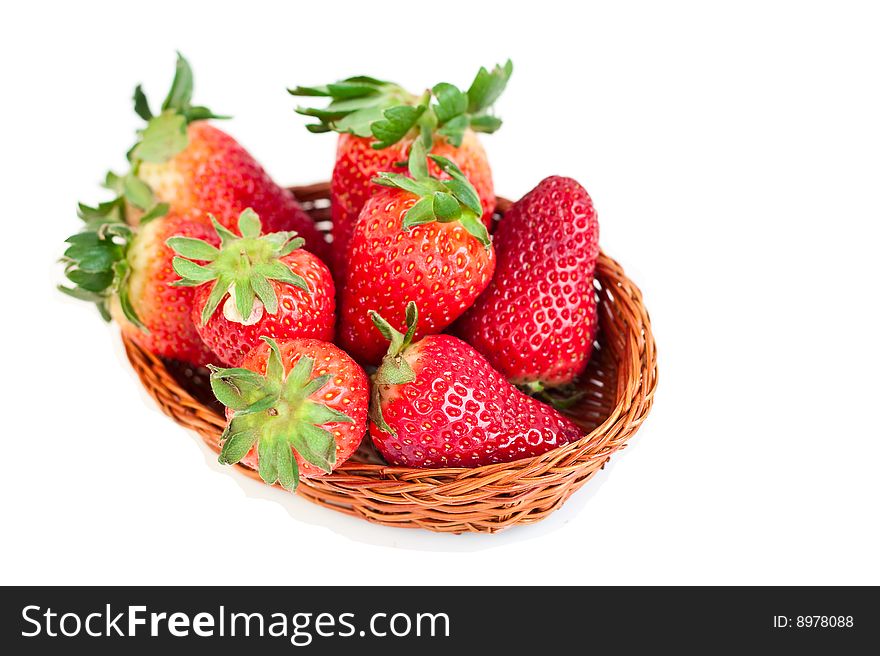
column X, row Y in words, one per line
column 619, row 387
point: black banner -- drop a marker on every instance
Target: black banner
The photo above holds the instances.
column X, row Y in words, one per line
column 433, row 620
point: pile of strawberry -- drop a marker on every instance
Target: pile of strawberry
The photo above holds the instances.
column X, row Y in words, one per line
column 423, row 322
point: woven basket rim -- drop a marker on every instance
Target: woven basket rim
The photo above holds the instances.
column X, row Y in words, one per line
column 436, row 496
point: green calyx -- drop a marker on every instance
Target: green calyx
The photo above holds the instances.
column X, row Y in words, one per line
column 275, row 413
column 243, row 266
column 366, row 107
column 161, row 139
column 165, row 133
column 394, row 369
column 439, row 200
column 96, row 263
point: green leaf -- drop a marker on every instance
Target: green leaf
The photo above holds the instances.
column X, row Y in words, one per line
column 355, row 88
column 417, row 161
column 91, row 281
column 454, row 129
column 451, row 102
column 278, row 239
column 159, row 209
column 226, row 236
column 163, row 138
column 104, row 212
column 281, row 272
column 260, row 406
column 313, row 92
column 267, row 459
column 274, row 363
column 316, row 446
column 412, row 321
column 244, row 297
column 249, row 224
column 194, row 249
column 237, row 446
column 266, row 293
column 285, row 465
column 180, row 94
column 314, row 385
column 420, row 213
column 485, row 123
column 459, row 186
column 475, row 226
column 319, row 414
column 376, row 415
column 199, row 113
column 141, row 106
column 96, row 259
column 192, row 271
column 292, row 245
column 235, row 388
column 446, row 206
column 487, row 87
column 359, row 123
column 137, row 192
column 113, row 182
column 417, row 187
column 218, row 291
column 299, row 375
column 81, row 294
column 397, row 122
column 120, row 285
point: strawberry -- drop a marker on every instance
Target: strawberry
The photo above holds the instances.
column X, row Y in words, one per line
column 439, row 403
column 129, row 274
column 294, row 409
column 182, row 161
column 418, row 239
column 271, row 288
column 536, row 321
column 377, row 122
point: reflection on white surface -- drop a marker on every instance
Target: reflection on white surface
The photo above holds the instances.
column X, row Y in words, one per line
column 360, row 530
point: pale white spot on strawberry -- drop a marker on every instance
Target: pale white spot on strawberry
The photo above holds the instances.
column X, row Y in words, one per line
column 230, row 311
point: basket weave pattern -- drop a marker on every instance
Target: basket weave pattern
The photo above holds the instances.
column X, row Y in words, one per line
column 618, row 390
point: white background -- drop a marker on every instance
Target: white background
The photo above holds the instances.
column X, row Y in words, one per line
column 733, row 151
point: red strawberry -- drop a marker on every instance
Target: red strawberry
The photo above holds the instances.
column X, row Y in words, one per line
column 378, row 122
column 215, row 174
column 271, row 288
column 295, row 409
column 439, row 403
column 536, row 321
column 130, row 275
column 182, row 161
column 357, row 163
column 419, row 240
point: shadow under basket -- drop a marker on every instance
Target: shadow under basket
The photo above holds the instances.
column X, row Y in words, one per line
column 618, row 389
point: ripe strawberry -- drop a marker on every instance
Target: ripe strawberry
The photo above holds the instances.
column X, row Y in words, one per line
column 536, row 321
column 215, row 174
column 377, row 122
column 130, row 276
column 421, row 239
column 295, row 409
column 182, row 161
column 439, row 403
column 271, row 288
column 357, row 162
